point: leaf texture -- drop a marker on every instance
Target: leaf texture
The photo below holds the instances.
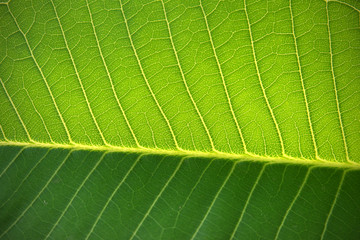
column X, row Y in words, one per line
column 180, row 119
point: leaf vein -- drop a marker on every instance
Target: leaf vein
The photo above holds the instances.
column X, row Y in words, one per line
column 37, row 196
column 157, row 198
column 110, row 78
column 112, row 195
column 146, row 80
column 214, row 200
column 16, row 111
column 25, row 178
column 248, row 200
column 78, row 76
column 335, row 85
column 185, row 83
column 12, row 161
column 261, row 84
column 333, row 205
column 43, row 77
column 75, row 194
column 303, row 82
column 224, row 82
column 293, row 202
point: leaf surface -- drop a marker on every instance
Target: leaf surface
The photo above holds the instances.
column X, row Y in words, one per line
column 179, row 119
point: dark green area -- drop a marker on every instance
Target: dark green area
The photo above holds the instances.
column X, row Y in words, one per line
column 67, row 194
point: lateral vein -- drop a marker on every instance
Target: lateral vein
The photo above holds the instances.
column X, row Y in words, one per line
column 112, row 195
column 248, row 200
column 145, row 78
column 78, row 76
column 214, row 200
column 333, row 205
column 303, row 83
column 335, row 86
column 43, row 77
column 157, row 198
column 261, row 84
column 293, row 202
column 37, row 196
column 16, row 111
column 110, row 78
column 75, row 194
column 224, row 82
column 185, row 83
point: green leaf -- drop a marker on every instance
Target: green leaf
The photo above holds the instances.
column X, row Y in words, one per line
column 180, row 119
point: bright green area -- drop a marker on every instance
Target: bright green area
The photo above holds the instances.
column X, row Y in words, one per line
column 108, row 108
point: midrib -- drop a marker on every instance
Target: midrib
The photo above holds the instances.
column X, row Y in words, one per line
column 186, row 153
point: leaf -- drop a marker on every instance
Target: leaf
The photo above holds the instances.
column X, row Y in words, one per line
column 179, row 119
